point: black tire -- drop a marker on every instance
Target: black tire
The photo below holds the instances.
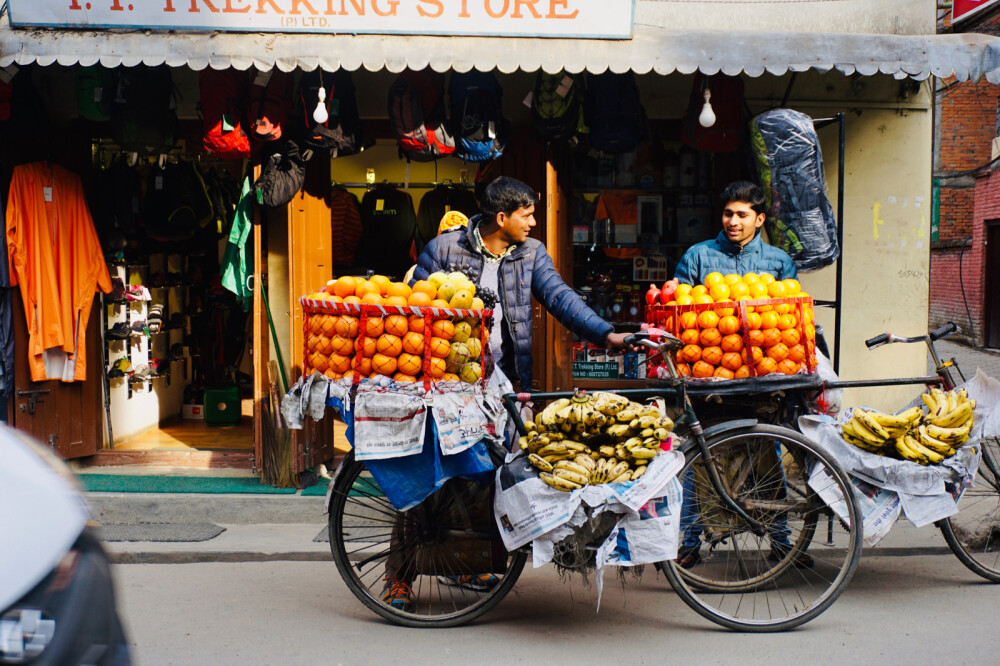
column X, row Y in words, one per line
column 973, row 533
column 736, row 584
column 365, row 529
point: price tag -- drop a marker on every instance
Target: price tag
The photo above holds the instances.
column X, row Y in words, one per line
column 564, row 86
column 529, row 99
column 262, row 78
column 158, row 183
column 47, row 194
column 379, row 204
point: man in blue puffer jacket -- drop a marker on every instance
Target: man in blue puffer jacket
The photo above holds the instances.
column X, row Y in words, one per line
column 738, row 248
column 496, row 253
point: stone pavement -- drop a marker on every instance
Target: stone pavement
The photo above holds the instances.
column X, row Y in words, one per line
column 968, row 358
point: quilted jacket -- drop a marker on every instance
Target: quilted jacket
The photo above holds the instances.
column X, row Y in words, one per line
column 725, row 256
column 526, row 271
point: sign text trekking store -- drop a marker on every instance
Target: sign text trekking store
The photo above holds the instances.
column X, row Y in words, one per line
column 595, row 19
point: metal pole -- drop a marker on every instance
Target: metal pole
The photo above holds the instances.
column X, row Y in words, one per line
column 838, row 311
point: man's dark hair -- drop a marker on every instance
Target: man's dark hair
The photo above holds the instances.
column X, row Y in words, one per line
column 505, row 195
column 745, row 191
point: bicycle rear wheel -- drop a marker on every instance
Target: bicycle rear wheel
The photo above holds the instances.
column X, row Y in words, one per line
column 762, row 583
column 450, row 534
column 973, row 533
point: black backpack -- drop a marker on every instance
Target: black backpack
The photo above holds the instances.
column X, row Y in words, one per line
column 478, row 125
column 340, row 134
column 282, row 175
column 417, row 116
column 176, row 204
column 143, row 115
column 614, row 112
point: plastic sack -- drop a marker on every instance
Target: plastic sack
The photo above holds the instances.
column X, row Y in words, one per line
column 800, row 219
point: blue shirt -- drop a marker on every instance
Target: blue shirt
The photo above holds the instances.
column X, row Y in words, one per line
column 722, row 255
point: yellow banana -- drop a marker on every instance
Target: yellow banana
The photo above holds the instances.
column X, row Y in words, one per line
column 865, row 418
column 907, row 453
column 573, row 466
column 575, row 477
column 940, row 400
column 557, row 448
column 896, row 421
column 936, row 445
column 917, row 445
column 540, row 462
column 639, row 471
column 949, row 434
column 585, row 461
column 642, row 453
column 930, row 402
column 623, row 477
column 860, row 443
column 857, row 430
column 548, row 415
column 955, row 418
column 619, row 430
column 558, row 483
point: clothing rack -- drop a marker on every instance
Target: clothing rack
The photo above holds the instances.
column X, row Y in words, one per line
column 400, row 185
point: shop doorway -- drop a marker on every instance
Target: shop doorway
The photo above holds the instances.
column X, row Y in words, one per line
column 992, row 285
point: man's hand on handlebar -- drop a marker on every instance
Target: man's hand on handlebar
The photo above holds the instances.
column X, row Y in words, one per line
column 617, row 341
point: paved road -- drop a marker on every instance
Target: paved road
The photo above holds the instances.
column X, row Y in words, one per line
column 897, row 610
column 968, row 359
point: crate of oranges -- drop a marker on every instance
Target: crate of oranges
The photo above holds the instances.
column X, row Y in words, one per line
column 357, row 328
column 739, row 326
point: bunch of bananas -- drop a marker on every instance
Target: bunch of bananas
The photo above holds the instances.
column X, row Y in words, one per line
column 926, row 439
column 595, row 438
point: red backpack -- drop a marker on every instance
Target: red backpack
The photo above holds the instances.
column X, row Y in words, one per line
column 223, row 94
column 269, row 105
column 417, row 115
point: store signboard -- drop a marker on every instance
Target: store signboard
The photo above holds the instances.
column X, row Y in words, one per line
column 591, row 19
column 963, row 9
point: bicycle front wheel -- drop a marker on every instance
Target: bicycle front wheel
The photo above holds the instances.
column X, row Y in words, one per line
column 446, row 553
column 805, row 556
column 973, row 533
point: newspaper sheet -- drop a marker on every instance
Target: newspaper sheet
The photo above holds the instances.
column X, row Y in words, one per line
column 880, row 508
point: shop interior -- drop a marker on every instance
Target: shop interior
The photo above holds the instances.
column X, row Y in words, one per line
column 176, row 343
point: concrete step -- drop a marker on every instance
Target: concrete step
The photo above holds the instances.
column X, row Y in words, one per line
column 223, row 509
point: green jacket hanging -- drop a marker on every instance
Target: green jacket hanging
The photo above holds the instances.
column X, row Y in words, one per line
column 234, row 261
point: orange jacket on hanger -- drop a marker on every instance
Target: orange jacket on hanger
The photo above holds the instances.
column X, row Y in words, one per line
column 56, row 259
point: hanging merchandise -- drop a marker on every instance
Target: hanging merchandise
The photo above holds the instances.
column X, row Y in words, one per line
column 269, row 104
column 728, row 109
column 223, row 95
column 557, row 106
column 234, row 261
column 345, row 225
column 478, row 125
column 95, row 92
column 6, row 324
column 326, row 113
column 388, row 230
column 56, row 260
column 800, row 219
column 614, row 112
column 143, row 119
column 437, row 202
column 417, row 116
column 116, row 208
column 176, row 204
column 281, row 175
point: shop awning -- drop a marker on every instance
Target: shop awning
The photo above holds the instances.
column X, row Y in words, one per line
column 652, row 49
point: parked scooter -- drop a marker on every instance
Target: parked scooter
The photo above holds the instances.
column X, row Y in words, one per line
column 57, row 601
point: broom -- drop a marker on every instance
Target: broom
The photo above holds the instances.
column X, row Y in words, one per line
column 276, row 447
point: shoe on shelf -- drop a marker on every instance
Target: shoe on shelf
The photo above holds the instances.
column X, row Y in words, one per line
column 119, row 331
column 120, row 368
column 117, row 289
column 474, row 582
column 137, row 292
column 396, row 593
column 779, row 551
column 688, row 556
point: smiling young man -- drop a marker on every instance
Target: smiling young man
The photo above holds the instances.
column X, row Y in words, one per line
column 738, row 248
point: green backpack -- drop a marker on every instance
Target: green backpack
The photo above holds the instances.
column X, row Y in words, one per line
column 557, row 106
column 95, row 92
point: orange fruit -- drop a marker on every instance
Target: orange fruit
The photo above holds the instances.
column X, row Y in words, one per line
column 346, row 327
column 757, row 290
column 776, row 289
column 437, row 367
column 683, row 300
column 400, row 289
column 702, row 299
column 313, row 342
column 425, row 287
column 443, row 328
column 728, row 324
column 787, row 321
column 690, row 353
column 384, row 365
column 750, row 278
column 739, row 291
column 417, row 324
column 732, row 278
column 732, row 343
column 709, row 337
column 683, row 369
column 784, row 308
column 743, row 372
column 698, row 290
column 690, row 336
column 348, row 375
column 702, row 369
column 766, row 366
column 419, row 299
column 332, row 375
column 344, row 286
column 450, row 377
column 319, row 362
column 724, row 373
column 732, row 360
column 772, row 336
column 403, row 377
column 366, row 287
column 329, row 325
column 790, row 336
column 756, row 338
column 755, row 355
column 340, row 363
column 398, row 325
column 374, row 326
column 807, row 314
column 778, row 352
column 342, row 346
column 440, row 347
column 792, row 287
column 754, row 321
column 352, row 299
column 390, row 345
column 439, row 303
column 316, row 323
column 765, row 278
column 708, row 319
column 396, row 301
column 788, row 366
column 382, row 282
column 364, row 368
column 373, row 298
column 413, row 343
column 769, row 320
column 367, row 347
column 713, row 279
column 409, row 364
column 683, row 290
column 712, row 355
column 810, row 332
column 725, row 312
column 719, row 291
column 797, row 353
column 688, row 320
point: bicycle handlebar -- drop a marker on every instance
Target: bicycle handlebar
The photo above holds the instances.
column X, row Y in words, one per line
column 888, row 338
column 877, row 341
column 944, row 331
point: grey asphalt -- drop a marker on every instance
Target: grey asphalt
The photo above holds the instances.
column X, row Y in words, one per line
column 968, row 358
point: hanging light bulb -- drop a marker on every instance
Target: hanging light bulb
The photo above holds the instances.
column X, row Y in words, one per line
column 707, row 116
column 320, row 115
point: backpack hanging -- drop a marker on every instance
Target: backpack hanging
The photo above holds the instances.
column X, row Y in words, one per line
column 95, row 92
column 269, row 104
column 223, row 95
column 478, row 125
column 614, row 112
column 176, row 203
column 417, row 116
column 142, row 116
column 282, row 175
column 340, row 133
column 729, row 107
column 557, row 106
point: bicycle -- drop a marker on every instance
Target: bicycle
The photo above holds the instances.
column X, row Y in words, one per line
column 753, row 484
